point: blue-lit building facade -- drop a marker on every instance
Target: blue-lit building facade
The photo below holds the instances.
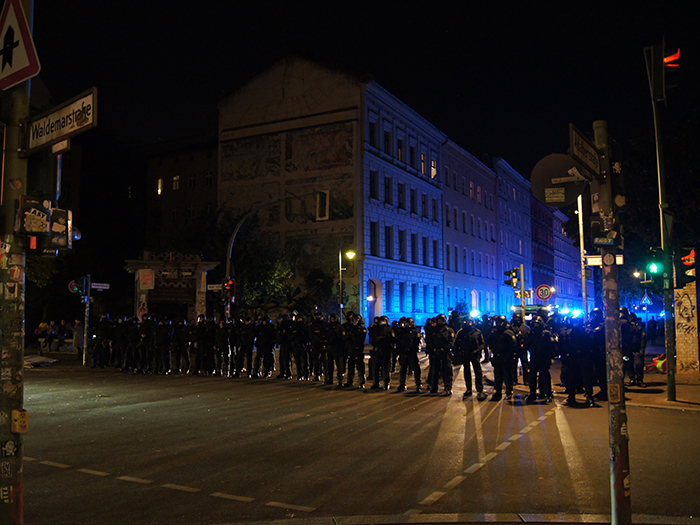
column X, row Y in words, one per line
column 433, row 227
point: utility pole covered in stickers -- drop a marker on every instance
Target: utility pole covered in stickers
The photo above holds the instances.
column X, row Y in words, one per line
column 19, row 63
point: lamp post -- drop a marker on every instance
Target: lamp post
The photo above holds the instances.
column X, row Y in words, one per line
column 350, row 254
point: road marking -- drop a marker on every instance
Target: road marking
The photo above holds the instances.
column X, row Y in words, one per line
column 503, row 445
column 454, row 482
column 93, row 472
column 432, row 498
column 412, row 511
column 27, row 458
column 542, row 418
column 515, row 437
column 135, row 480
column 474, row 468
column 534, row 423
column 289, row 507
column 526, row 430
column 180, row 487
column 580, row 481
column 52, row 464
column 232, row 497
column 490, row 456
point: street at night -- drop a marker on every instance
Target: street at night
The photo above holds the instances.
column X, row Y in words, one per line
column 111, row 447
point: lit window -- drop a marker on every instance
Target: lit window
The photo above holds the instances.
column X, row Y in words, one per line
column 176, row 182
column 423, row 166
column 433, row 169
column 159, row 186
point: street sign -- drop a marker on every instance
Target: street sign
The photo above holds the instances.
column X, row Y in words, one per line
column 557, row 180
column 543, row 292
column 70, row 118
column 99, row 286
column 214, row 287
column 583, row 150
column 597, row 260
column 19, row 59
column 646, row 300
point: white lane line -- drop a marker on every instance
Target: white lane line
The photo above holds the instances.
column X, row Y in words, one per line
column 454, row 482
column 580, row 480
column 503, row 445
column 542, row 418
column 135, row 480
column 27, row 458
column 289, row 507
column 490, row 456
column 474, row 468
column 515, row 437
column 232, row 497
column 526, row 430
column 180, row 488
column 53, row 464
column 93, row 472
column 432, row 498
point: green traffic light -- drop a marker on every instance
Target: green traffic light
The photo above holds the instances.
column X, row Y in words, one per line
column 654, row 268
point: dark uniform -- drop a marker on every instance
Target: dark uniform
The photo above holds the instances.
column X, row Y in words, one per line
column 384, row 342
column 246, row 337
column 541, row 349
column 407, row 344
column 264, row 349
column 468, row 346
column 441, row 341
column 355, row 343
column 503, row 346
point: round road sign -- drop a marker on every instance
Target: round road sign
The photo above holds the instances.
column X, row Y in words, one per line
column 544, row 292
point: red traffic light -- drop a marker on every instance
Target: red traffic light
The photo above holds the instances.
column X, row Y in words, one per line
column 672, row 58
column 228, row 284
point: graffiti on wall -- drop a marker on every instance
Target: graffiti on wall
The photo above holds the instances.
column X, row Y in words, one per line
column 250, row 158
column 319, row 148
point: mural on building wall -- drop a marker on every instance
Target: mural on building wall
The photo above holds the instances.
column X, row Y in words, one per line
column 320, row 148
column 250, row 158
column 303, row 209
column 686, row 330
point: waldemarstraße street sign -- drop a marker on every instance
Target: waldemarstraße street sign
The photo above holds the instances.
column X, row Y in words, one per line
column 70, row 118
column 19, row 59
column 583, row 150
column 557, row 180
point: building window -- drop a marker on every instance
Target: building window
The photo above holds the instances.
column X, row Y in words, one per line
column 478, row 194
column 388, row 191
column 464, row 221
column 191, row 181
column 447, row 215
column 414, row 202
column 389, row 296
column 436, row 305
column 373, row 184
column 208, row 178
column 447, row 257
column 190, row 211
column 159, row 186
column 480, row 233
column 464, row 260
column 389, row 241
column 471, row 225
column 423, row 164
column 447, row 177
column 425, row 206
column 414, row 297
column 402, row 297
column 436, row 254
column 426, row 254
column 412, row 157
column 456, row 224
column 373, row 138
column 433, row 169
column 456, row 252
column 322, row 205
column 387, row 142
column 449, row 297
column 374, row 238
column 471, row 190
column 173, row 213
column 403, row 249
column 402, row 196
column 435, row 211
column 400, row 150
column 473, row 262
column 480, row 265
column 464, row 186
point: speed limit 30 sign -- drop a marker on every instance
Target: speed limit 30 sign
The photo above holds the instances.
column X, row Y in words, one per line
column 543, row 292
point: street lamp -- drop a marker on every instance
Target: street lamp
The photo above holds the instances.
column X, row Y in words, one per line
column 350, row 254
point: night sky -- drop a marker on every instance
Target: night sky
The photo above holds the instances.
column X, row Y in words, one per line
column 500, row 78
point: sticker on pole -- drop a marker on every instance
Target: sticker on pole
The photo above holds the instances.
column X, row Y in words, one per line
column 543, row 292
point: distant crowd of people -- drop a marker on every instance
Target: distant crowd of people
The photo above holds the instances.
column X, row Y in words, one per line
column 333, row 352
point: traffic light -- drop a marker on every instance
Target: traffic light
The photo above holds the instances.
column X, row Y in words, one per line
column 685, row 266
column 77, row 286
column 663, row 67
column 655, row 263
column 228, row 284
column 513, row 274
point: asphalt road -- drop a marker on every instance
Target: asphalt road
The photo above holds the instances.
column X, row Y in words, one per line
column 108, row 447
